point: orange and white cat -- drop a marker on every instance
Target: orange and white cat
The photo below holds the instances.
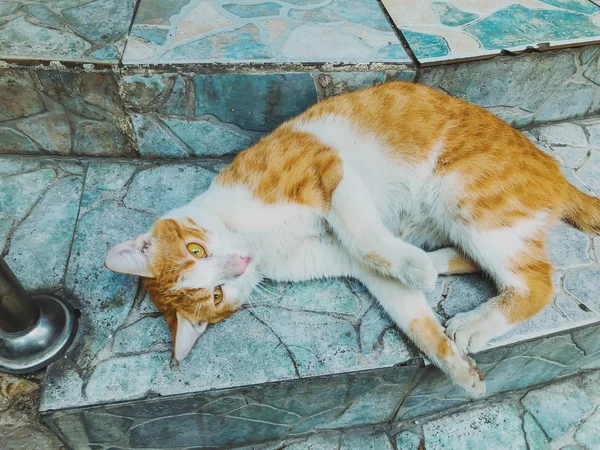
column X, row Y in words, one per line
column 354, row 187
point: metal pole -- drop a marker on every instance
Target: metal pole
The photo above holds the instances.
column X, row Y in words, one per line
column 35, row 330
column 17, row 311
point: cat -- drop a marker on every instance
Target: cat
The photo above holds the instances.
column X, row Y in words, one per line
column 354, row 187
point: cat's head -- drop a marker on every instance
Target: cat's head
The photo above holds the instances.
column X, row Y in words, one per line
column 195, row 275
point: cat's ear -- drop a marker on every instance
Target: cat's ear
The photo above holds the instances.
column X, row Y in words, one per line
column 185, row 334
column 131, row 257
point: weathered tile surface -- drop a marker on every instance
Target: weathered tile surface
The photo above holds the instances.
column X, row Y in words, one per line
column 63, row 114
column 122, row 199
column 39, row 203
column 184, row 31
column 440, row 30
column 186, row 114
column 65, row 30
column 493, row 427
column 333, row 359
column 526, row 89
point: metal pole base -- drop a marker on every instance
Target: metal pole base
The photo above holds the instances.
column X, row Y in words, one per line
column 44, row 342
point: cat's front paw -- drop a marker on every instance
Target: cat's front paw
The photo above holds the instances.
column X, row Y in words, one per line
column 472, row 330
column 418, row 271
column 469, row 377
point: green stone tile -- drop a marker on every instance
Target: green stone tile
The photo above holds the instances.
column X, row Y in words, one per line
column 557, row 408
column 493, row 427
column 588, row 433
column 18, row 193
column 40, row 245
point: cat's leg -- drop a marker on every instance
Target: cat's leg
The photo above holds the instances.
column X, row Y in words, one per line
column 520, row 268
column 409, row 310
column 321, row 257
column 355, row 220
column 448, row 261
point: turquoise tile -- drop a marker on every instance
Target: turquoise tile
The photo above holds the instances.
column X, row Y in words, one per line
column 407, row 440
column 365, row 440
column 40, row 245
column 154, row 139
column 246, row 99
column 66, row 30
column 580, row 6
column 62, row 113
column 101, row 22
column 18, row 193
column 588, row 433
column 452, row 16
column 440, row 30
column 365, row 13
column 5, row 225
column 534, row 434
column 108, row 53
column 519, row 26
column 44, row 15
column 158, row 11
column 157, row 190
column 210, row 137
column 558, row 407
column 555, row 91
column 426, row 45
column 176, row 104
column 243, row 44
column 157, row 36
column 268, row 31
column 256, row 10
column 491, row 427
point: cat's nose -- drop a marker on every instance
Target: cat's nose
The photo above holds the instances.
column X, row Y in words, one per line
column 238, row 264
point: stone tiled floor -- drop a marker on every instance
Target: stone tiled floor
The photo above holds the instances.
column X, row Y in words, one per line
column 284, row 31
column 561, row 416
column 456, row 29
column 278, row 31
column 42, row 210
column 65, row 30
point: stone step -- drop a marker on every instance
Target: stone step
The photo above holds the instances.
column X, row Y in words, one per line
column 300, row 358
column 199, row 78
column 564, row 415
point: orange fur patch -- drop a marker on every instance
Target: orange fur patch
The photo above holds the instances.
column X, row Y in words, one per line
column 378, row 261
column 287, row 166
column 531, row 266
column 460, row 265
column 416, row 122
column 431, row 334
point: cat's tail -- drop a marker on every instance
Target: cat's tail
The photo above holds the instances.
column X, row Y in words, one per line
column 581, row 210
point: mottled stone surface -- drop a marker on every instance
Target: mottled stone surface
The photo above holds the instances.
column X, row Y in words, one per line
column 303, row 358
column 270, row 31
column 558, row 408
column 63, row 114
column 20, row 424
column 493, row 427
column 63, row 30
column 181, row 115
column 40, row 245
column 527, row 89
column 440, row 30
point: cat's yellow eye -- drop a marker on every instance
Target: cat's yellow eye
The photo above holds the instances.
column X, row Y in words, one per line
column 218, row 295
column 196, row 250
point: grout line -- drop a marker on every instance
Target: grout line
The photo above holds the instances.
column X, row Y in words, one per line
column 126, row 37
column 402, row 40
column 76, row 226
